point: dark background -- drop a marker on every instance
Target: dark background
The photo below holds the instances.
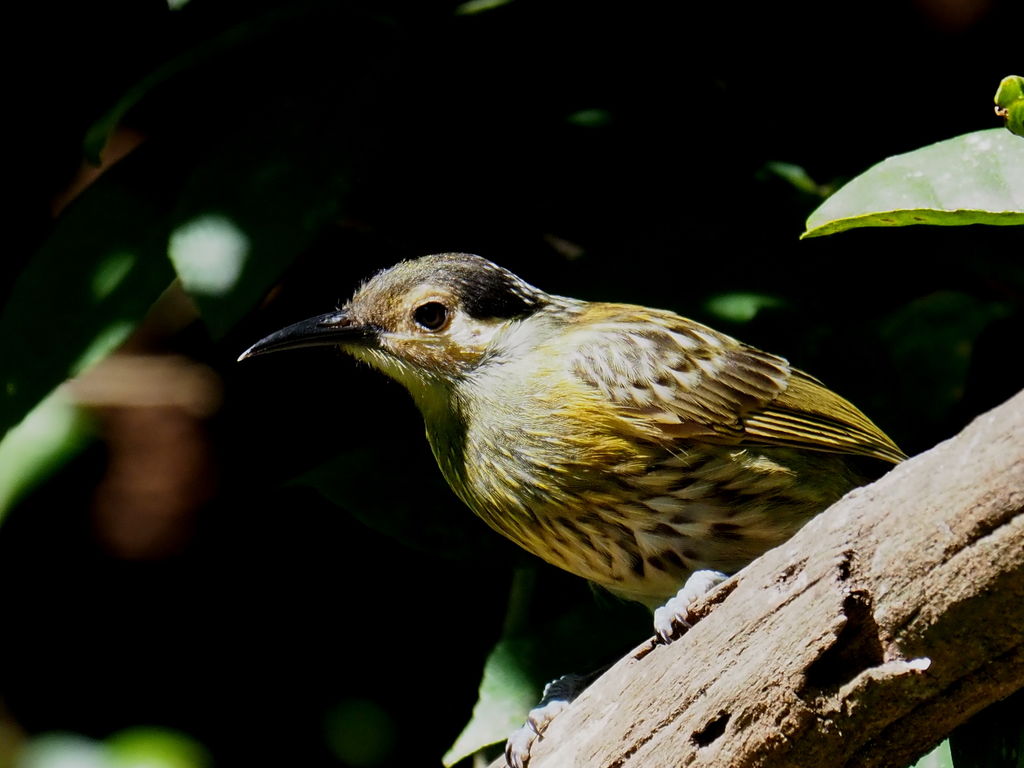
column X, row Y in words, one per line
column 612, row 152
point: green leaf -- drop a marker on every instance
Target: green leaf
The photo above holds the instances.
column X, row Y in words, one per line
column 140, row 747
column 510, row 685
column 937, row 758
column 590, row 118
column 360, row 732
column 977, row 178
column 478, row 6
column 740, row 307
column 60, row 750
column 54, row 431
column 151, row 747
column 547, row 634
column 796, row 176
column 507, row 692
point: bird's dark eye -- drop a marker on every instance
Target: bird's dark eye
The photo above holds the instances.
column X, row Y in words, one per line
column 433, row 315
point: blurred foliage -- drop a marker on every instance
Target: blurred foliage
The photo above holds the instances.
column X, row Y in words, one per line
column 304, row 589
column 361, row 732
column 541, row 641
column 34, row 449
column 939, row 757
column 740, row 307
column 140, row 747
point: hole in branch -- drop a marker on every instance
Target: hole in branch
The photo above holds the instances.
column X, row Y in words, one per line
column 711, row 731
column 855, row 649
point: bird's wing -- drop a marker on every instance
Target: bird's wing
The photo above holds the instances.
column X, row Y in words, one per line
column 691, row 382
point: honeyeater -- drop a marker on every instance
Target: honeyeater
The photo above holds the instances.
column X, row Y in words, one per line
column 625, row 444
column 628, row 445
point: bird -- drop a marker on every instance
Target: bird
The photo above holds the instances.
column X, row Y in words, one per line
column 631, row 446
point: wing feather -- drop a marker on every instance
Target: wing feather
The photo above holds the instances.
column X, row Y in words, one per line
column 689, row 381
column 809, row 414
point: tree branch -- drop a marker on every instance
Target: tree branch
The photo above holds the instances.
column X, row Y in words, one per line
column 887, row 621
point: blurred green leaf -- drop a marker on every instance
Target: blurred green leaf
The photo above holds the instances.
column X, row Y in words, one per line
column 590, row 118
column 141, row 747
column 977, row 178
column 150, row 747
column 48, row 436
column 507, row 693
column 796, row 176
column 509, row 687
column 937, row 758
column 63, row 750
column 478, row 6
column 541, row 642
column 740, row 307
column 361, row 733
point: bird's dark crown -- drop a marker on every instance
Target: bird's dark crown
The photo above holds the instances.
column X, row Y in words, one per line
column 484, row 289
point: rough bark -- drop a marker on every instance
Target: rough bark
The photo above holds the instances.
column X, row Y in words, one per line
column 887, row 621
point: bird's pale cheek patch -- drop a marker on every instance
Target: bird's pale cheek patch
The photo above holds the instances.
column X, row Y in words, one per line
column 470, row 335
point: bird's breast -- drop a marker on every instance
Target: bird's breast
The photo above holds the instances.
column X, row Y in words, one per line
column 548, row 464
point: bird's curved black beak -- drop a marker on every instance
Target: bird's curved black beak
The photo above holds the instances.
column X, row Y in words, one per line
column 323, row 330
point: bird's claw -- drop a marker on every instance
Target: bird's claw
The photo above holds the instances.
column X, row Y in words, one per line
column 517, row 748
column 674, row 618
column 669, row 621
column 557, row 696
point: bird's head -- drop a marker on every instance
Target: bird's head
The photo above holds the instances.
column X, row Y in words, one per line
column 421, row 321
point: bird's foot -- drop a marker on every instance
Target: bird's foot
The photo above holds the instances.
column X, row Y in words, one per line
column 673, row 618
column 558, row 694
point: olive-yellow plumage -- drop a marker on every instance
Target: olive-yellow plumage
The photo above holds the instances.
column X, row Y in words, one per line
column 628, row 445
